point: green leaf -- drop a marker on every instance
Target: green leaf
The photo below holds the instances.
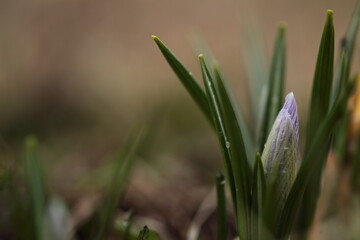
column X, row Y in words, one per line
column 275, row 89
column 214, row 103
column 352, row 31
column 121, row 171
column 319, row 107
column 322, row 83
column 126, row 235
column 341, row 77
column 248, row 140
column 234, row 145
column 36, row 186
column 258, row 199
column 186, row 78
column 341, row 139
column 221, row 207
column 125, row 229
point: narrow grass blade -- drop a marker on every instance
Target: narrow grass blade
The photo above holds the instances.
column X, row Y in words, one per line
column 341, row 78
column 245, row 130
column 222, row 226
column 124, row 161
column 322, row 83
column 319, row 107
column 350, row 36
column 347, row 48
column 341, row 139
column 125, row 229
column 257, row 199
column 236, row 147
column 309, row 168
column 186, row 78
column 218, row 120
column 36, row 186
column 275, row 87
column 232, row 144
column 126, row 235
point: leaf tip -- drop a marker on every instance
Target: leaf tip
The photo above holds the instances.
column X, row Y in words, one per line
column 282, row 26
column 202, row 59
column 329, row 14
column 156, row 39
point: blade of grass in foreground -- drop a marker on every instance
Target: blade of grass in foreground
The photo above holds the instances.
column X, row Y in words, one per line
column 341, row 134
column 124, row 161
column 36, row 186
column 350, row 36
column 275, row 88
column 319, row 107
column 231, row 143
column 248, row 140
column 126, row 235
column 347, row 48
column 186, row 78
column 257, row 199
column 221, row 207
column 125, row 228
column 213, row 100
column 236, row 147
column 320, row 97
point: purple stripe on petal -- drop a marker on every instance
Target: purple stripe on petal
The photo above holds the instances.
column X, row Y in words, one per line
column 291, row 108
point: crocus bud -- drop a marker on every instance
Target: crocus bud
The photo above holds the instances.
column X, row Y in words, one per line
column 281, row 152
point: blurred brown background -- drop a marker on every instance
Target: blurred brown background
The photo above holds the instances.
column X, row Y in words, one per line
column 80, row 74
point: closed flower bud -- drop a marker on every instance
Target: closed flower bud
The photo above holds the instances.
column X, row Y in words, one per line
column 281, row 152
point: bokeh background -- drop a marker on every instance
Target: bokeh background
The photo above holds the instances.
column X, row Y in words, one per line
column 81, row 74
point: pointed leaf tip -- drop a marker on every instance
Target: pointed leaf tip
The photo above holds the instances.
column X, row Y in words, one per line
column 330, row 13
column 282, row 26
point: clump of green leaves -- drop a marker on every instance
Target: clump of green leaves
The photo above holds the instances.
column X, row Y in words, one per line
column 251, row 190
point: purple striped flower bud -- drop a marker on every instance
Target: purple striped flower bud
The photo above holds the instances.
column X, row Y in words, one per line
column 281, row 152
